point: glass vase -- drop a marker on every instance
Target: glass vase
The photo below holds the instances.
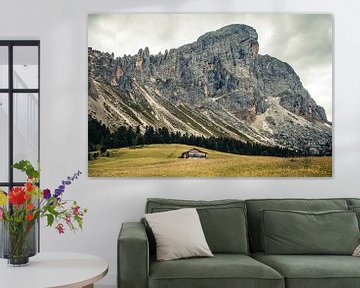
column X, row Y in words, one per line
column 18, row 242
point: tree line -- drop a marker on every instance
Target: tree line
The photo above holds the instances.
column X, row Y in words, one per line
column 100, row 139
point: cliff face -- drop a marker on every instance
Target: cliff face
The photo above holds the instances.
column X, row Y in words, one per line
column 218, row 85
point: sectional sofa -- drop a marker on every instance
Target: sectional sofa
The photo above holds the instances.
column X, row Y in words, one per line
column 261, row 243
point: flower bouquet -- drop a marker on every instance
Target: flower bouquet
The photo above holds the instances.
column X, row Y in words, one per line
column 21, row 208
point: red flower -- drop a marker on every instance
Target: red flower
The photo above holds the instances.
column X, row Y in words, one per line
column 27, row 196
column 29, row 217
column 75, row 209
column 29, row 206
column 29, row 186
column 17, row 196
column 60, row 228
column 68, row 219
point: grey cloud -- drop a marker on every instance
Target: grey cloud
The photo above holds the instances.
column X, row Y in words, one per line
column 305, row 39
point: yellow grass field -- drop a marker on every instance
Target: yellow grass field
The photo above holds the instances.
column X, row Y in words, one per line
column 162, row 160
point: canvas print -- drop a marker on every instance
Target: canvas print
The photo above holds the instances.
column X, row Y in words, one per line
column 210, row 95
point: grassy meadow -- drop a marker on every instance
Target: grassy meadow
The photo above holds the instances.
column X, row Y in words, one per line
column 162, row 160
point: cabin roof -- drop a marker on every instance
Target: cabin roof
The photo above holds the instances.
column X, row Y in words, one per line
column 198, row 150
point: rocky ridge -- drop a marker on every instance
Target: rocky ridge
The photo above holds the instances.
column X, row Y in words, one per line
column 218, row 85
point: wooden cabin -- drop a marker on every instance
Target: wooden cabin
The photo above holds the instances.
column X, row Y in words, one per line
column 193, row 153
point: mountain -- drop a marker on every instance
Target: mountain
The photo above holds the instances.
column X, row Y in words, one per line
column 216, row 86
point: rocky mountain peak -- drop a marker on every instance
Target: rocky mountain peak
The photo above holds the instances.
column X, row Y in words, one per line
column 234, row 30
column 232, row 34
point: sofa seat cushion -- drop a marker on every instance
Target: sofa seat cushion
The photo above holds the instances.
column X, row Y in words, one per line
column 313, row 271
column 222, row 270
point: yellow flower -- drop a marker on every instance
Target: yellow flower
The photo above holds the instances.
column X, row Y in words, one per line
column 3, row 198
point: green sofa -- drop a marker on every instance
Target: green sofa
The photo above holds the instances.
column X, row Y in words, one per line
column 234, row 232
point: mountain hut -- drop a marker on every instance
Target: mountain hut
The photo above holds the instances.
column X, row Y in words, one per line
column 193, row 153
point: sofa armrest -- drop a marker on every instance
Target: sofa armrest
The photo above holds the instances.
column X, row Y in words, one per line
column 133, row 256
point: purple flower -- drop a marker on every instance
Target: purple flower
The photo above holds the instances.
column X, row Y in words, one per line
column 64, row 183
column 58, row 192
column 46, row 194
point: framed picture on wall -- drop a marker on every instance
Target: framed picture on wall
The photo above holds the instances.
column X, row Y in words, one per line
column 210, row 95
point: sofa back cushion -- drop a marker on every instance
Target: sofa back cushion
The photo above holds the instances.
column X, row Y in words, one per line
column 353, row 201
column 255, row 206
column 354, row 205
column 223, row 222
column 298, row 232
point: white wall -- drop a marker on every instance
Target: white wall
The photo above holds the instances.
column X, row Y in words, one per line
column 62, row 28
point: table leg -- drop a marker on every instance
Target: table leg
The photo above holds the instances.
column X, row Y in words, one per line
column 89, row 286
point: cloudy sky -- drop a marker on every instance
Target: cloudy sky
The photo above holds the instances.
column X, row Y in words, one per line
column 303, row 41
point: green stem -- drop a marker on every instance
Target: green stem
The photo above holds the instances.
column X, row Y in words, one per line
column 18, row 238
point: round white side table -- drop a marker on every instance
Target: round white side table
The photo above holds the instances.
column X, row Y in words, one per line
column 50, row 270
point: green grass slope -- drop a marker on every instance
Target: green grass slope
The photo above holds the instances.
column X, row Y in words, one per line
column 162, row 160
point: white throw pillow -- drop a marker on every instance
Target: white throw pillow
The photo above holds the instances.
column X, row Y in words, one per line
column 178, row 234
column 357, row 251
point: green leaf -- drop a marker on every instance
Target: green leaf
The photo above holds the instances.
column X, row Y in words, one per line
column 50, row 219
column 79, row 221
column 53, row 211
column 26, row 167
